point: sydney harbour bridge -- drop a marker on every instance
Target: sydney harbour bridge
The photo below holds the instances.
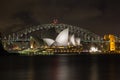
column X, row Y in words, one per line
column 51, row 30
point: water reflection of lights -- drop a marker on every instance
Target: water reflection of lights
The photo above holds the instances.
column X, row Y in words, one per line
column 63, row 70
column 94, row 72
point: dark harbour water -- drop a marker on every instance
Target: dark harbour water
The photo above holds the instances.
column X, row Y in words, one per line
column 61, row 67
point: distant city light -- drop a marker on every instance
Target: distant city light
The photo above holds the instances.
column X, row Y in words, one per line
column 93, row 49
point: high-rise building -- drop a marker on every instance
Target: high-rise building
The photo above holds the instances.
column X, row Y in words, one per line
column 112, row 42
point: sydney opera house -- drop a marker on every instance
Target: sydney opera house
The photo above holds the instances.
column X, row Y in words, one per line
column 63, row 39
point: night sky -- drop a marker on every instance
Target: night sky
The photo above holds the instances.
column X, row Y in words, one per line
column 99, row 16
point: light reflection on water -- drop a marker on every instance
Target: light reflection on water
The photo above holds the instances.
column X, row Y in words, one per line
column 94, row 72
column 60, row 68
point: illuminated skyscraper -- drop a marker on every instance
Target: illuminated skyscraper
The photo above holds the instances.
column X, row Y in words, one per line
column 112, row 42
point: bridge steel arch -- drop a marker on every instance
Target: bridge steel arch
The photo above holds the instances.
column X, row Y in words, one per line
column 84, row 34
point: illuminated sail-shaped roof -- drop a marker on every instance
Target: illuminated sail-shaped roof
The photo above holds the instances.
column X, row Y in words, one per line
column 77, row 41
column 72, row 40
column 62, row 38
column 49, row 41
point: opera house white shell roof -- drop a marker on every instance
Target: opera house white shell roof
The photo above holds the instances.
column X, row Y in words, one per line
column 49, row 41
column 63, row 39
